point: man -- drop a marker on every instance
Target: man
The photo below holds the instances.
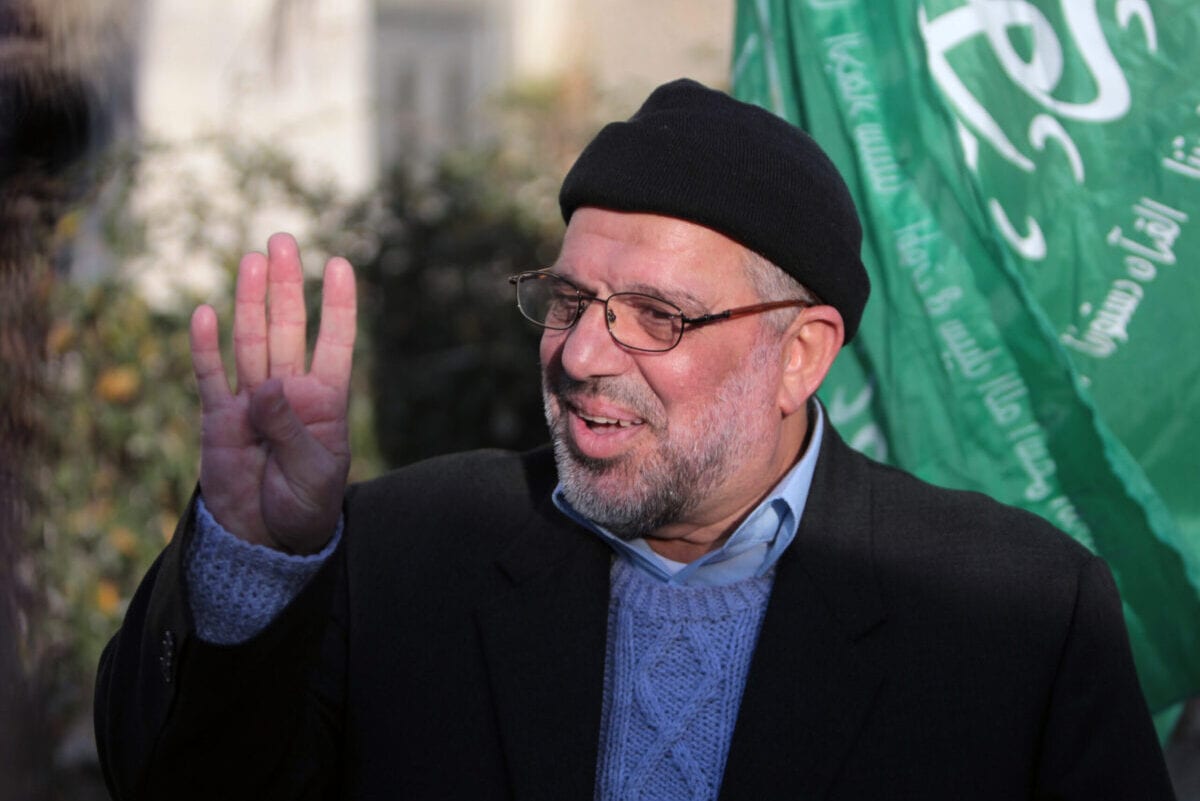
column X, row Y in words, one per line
column 701, row 592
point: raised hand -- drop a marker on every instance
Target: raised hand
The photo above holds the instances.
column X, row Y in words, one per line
column 275, row 454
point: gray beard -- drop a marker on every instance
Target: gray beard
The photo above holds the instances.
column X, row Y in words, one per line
column 659, row 494
column 664, row 487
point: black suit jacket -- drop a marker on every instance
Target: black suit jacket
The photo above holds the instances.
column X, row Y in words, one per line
column 918, row 644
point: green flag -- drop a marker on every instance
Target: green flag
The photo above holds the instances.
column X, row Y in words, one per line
column 1028, row 174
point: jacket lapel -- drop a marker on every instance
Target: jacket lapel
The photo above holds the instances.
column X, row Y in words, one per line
column 814, row 675
column 817, row 667
column 544, row 642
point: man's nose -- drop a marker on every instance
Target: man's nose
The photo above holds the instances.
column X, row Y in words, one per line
column 589, row 349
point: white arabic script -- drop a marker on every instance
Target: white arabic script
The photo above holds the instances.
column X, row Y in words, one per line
column 1038, row 77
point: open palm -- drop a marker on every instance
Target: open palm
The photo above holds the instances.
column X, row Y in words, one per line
column 275, row 454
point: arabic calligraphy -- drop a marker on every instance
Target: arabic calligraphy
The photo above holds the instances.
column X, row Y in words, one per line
column 1185, row 158
column 846, row 63
column 975, row 355
column 1158, row 223
column 1146, row 245
column 1038, row 75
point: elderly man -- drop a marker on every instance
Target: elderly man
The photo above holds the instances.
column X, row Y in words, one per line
column 700, row 592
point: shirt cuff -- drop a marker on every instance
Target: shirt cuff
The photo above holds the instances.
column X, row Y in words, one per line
column 237, row 588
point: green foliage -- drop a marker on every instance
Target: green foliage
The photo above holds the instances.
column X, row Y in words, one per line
column 122, row 454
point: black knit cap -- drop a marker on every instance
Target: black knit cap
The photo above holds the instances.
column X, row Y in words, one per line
column 699, row 155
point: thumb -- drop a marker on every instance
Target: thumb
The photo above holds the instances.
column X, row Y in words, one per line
column 275, row 421
column 302, row 481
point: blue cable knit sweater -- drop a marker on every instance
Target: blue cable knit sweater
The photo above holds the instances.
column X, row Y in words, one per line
column 676, row 666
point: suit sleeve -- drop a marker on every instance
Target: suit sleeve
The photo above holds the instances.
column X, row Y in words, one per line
column 180, row 718
column 1098, row 742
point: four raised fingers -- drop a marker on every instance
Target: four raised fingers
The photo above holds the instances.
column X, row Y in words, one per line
column 269, row 324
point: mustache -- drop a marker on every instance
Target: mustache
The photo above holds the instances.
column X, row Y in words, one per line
column 620, row 390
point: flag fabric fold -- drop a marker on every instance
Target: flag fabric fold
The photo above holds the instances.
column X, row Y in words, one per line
column 1028, row 174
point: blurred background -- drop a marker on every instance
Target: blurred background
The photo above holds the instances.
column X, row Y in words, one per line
column 145, row 145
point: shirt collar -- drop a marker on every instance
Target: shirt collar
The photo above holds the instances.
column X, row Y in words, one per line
column 752, row 550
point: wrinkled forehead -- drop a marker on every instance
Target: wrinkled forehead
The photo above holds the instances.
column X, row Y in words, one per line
column 634, row 251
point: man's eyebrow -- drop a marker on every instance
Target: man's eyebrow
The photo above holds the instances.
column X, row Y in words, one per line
column 565, row 273
column 679, row 297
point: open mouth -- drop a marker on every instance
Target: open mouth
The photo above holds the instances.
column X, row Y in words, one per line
column 603, row 432
column 597, row 422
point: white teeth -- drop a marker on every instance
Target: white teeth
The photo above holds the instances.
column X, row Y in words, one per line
column 607, row 421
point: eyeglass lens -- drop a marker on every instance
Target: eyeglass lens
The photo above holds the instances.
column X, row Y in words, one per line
column 634, row 320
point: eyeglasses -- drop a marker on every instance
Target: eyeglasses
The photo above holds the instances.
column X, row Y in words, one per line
column 637, row 321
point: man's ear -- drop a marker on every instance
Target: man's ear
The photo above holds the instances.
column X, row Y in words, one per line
column 810, row 345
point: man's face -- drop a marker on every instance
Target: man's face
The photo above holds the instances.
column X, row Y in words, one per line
column 661, row 443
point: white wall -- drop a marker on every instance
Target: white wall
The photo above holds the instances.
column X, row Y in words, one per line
column 229, row 67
